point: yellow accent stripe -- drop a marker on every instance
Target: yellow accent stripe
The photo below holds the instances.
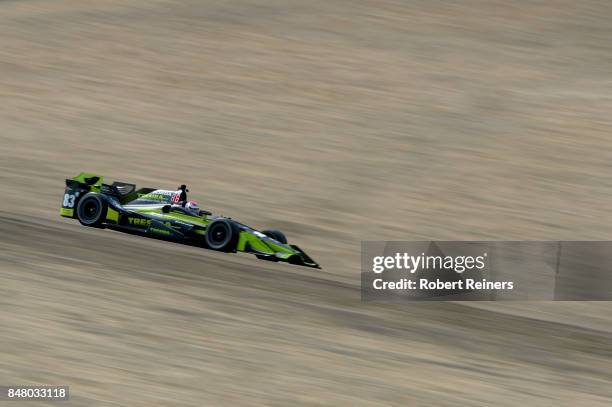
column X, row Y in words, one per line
column 112, row 214
column 68, row 212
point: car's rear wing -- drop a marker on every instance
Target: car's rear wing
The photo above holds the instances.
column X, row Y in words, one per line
column 76, row 188
column 85, row 181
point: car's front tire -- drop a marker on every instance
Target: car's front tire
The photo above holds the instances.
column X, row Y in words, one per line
column 222, row 235
column 91, row 210
column 276, row 235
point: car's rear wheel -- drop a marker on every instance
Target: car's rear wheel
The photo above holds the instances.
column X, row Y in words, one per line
column 276, row 235
column 91, row 210
column 222, row 235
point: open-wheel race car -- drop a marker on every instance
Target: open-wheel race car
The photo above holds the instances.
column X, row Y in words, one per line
column 169, row 215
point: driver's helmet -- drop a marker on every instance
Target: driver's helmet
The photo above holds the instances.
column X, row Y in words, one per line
column 192, row 208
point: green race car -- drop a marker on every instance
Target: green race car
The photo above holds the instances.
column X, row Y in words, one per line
column 168, row 215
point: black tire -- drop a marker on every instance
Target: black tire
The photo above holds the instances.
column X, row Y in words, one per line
column 222, row 235
column 91, row 210
column 276, row 235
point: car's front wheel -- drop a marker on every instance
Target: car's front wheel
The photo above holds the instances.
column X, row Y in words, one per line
column 276, row 235
column 91, row 210
column 221, row 235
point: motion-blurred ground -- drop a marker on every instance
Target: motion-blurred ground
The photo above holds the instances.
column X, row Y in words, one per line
column 335, row 121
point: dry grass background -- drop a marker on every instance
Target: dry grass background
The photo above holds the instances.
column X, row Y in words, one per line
column 335, row 121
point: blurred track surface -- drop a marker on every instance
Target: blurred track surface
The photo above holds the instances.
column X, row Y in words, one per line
column 129, row 321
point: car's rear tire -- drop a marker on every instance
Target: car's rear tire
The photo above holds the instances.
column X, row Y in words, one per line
column 91, row 210
column 222, row 235
column 276, row 235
